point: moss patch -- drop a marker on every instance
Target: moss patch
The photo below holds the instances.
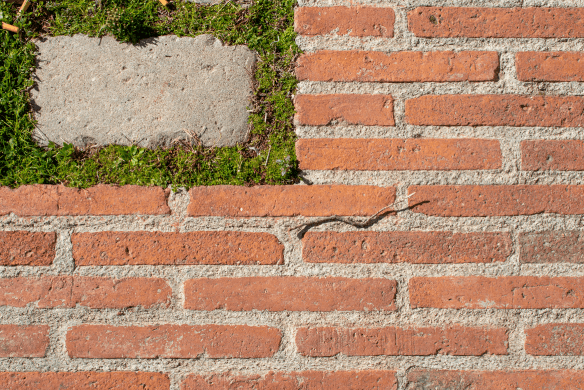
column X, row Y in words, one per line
column 265, row 26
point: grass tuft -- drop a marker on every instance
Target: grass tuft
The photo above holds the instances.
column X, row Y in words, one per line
column 265, row 26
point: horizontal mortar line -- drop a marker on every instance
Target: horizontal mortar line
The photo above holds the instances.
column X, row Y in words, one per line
column 446, row 3
column 404, row 91
column 501, row 133
column 452, row 177
column 334, row 42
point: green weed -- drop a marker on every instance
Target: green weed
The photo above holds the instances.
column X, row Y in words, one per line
column 266, row 26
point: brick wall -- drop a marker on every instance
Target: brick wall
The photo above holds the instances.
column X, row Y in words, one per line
column 466, row 120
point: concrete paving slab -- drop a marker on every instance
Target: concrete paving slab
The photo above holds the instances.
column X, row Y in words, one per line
column 97, row 91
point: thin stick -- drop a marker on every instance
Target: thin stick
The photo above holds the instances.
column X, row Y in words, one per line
column 9, row 27
column 23, row 7
column 268, row 159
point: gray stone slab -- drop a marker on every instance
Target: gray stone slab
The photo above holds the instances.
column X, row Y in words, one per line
column 99, row 91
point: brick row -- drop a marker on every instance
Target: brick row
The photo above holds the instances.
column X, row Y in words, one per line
column 443, row 22
column 92, row 292
column 418, row 379
column 23, row 341
column 398, row 154
column 27, row 248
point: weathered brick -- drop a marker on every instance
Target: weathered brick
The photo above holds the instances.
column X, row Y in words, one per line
column 398, row 67
column 460, row 341
column 495, row 110
column 499, row 380
column 397, row 154
column 405, row 247
column 555, row 339
column 40, row 200
column 304, row 380
column 351, row 21
column 158, row 248
column 496, row 200
column 84, row 380
column 290, row 293
column 289, row 201
column 27, row 248
column 322, row 110
column 552, row 247
column 550, row 66
column 487, row 22
column 93, row 292
column 506, row 292
column 23, row 341
column 561, row 155
column 172, row 341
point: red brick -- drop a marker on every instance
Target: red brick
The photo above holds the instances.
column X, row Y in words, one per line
column 550, row 66
column 172, row 341
column 398, row 67
column 405, row 247
column 23, row 341
column 27, row 248
column 290, row 293
column 289, row 201
column 351, row 21
column 304, row 380
column 552, row 154
column 499, row 380
column 84, row 380
column 397, row 154
column 158, row 248
column 93, row 292
column 391, row 341
column 486, row 22
column 555, row 339
column 497, row 200
column 41, row 200
column 506, row 292
column 552, row 247
column 495, row 110
column 322, row 110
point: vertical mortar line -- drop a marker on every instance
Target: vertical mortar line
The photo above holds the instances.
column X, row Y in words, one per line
column 64, row 263
column 400, row 28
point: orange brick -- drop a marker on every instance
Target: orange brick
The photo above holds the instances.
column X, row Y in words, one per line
column 23, row 341
column 555, row 339
column 304, row 380
column 500, row 380
column 494, row 200
column 290, row 293
column 41, row 200
column 321, row 110
column 550, row 66
column 552, row 247
column 552, row 154
column 172, row 341
column 459, row 341
column 289, row 201
column 398, row 67
column 27, row 248
column 397, row 154
column 495, row 110
column 506, row 292
column 405, row 247
column 158, row 248
column 93, row 292
column 351, row 21
column 487, row 22
column 84, row 380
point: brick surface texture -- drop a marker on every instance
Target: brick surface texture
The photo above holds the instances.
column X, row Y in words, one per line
column 434, row 239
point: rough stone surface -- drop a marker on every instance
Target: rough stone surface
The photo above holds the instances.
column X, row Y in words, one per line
column 100, row 91
column 84, row 381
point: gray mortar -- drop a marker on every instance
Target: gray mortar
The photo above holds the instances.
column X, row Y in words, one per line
column 287, row 359
column 97, row 91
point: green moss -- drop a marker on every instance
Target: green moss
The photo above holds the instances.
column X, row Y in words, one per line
column 266, row 27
